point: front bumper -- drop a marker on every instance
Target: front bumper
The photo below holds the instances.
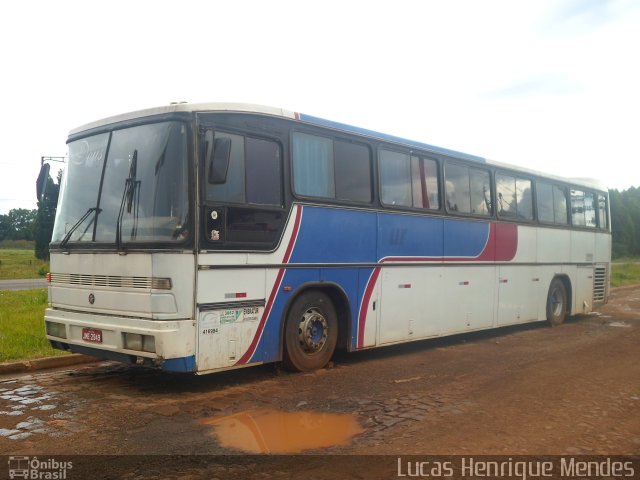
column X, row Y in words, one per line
column 174, row 339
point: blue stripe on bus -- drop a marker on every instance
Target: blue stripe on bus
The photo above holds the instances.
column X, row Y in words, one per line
column 390, row 138
column 331, row 235
column 182, row 364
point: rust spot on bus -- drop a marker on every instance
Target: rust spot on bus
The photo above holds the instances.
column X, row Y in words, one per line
column 274, row 431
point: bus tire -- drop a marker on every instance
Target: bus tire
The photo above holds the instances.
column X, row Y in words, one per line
column 311, row 332
column 556, row 302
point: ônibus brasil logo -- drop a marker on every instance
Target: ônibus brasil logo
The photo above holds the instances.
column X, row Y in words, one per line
column 34, row 468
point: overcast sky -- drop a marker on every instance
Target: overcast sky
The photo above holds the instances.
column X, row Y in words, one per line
column 551, row 85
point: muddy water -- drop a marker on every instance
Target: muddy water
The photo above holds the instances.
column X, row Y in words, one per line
column 274, row 431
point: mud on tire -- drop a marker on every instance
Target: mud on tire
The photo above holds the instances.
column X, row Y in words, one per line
column 310, row 333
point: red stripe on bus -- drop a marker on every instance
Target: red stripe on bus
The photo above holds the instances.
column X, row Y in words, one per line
column 267, row 309
column 362, row 317
column 501, row 246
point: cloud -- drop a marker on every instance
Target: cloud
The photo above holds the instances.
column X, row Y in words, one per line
column 532, row 86
column 575, row 17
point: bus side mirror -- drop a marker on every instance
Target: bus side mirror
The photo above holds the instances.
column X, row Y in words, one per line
column 219, row 160
column 41, row 182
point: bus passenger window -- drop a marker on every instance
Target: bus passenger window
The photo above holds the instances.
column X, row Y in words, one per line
column 506, row 189
column 263, row 172
column 480, row 192
column 395, row 178
column 515, row 198
column 524, row 199
column 424, row 176
column 560, row 213
column 583, row 213
column 545, row 202
column 353, row 172
column 602, row 212
column 577, row 208
column 457, row 188
column 313, row 174
column 589, row 210
column 552, row 203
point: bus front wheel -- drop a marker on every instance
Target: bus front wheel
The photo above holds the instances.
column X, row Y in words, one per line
column 311, row 332
column 556, row 302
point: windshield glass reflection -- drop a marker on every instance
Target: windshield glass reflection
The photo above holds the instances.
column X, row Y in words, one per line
column 153, row 188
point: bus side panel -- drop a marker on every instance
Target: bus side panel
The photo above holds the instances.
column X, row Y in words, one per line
column 468, row 293
column 554, row 247
column 411, row 303
column 603, row 248
column 410, row 297
column 519, row 285
column 583, row 297
column 225, row 333
column 583, row 248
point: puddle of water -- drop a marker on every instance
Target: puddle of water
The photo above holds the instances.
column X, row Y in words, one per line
column 273, row 431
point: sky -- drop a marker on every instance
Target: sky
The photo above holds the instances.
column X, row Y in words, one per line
column 551, row 85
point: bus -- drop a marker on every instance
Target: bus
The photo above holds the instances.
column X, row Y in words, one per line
column 207, row 237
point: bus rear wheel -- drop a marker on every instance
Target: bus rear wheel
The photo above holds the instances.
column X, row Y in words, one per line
column 311, row 332
column 556, row 302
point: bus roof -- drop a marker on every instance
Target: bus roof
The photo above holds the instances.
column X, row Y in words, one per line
column 279, row 112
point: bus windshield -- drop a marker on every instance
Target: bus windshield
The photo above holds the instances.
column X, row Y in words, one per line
column 126, row 186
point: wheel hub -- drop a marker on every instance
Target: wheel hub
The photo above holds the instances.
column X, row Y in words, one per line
column 312, row 331
column 556, row 303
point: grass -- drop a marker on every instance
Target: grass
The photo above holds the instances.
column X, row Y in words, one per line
column 625, row 273
column 21, row 263
column 22, row 325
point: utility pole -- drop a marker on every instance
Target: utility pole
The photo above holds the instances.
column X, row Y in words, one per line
column 51, row 159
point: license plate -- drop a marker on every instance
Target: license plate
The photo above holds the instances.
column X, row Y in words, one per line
column 92, row 335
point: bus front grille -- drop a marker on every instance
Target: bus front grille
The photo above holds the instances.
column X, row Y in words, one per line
column 111, row 281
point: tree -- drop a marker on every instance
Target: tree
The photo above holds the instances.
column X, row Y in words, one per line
column 21, row 224
column 45, row 217
column 625, row 222
column 5, row 227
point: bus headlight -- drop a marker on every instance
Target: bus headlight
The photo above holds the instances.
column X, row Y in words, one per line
column 56, row 329
column 149, row 343
column 133, row 341
column 142, row 343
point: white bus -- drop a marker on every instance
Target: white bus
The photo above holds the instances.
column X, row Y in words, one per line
column 206, row 237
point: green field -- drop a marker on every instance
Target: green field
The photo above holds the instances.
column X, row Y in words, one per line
column 22, row 325
column 21, row 263
column 625, row 273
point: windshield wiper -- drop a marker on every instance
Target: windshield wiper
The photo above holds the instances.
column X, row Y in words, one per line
column 131, row 187
column 77, row 224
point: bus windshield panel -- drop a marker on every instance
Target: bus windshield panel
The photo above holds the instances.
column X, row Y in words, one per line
column 126, row 186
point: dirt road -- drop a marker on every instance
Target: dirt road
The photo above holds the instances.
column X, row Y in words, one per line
column 533, row 389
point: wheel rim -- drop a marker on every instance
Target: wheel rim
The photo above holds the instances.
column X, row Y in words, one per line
column 312, row 331
column 556, row 303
